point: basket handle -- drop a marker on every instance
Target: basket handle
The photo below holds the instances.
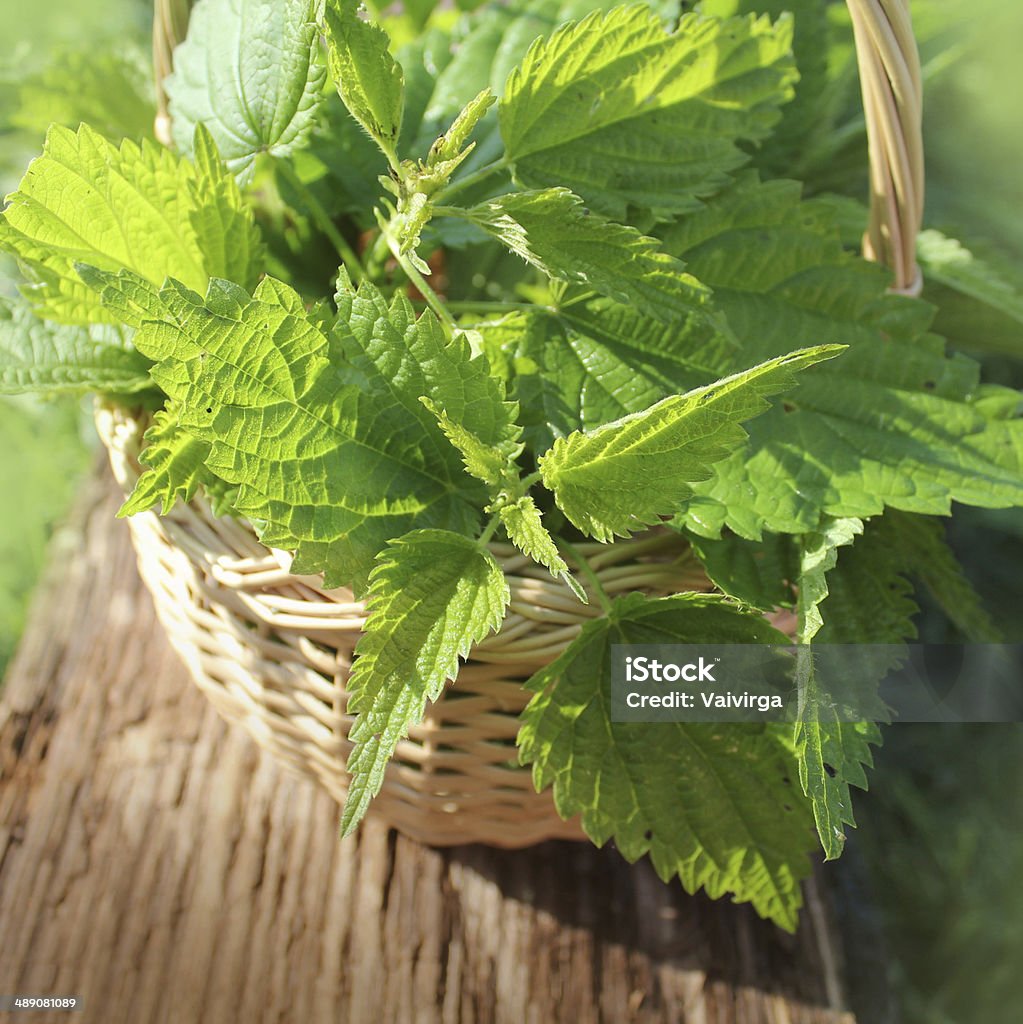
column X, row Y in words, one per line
column 170, row 25
column 892, row 89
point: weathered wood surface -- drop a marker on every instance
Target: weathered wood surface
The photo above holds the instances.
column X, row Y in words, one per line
column 157, row 865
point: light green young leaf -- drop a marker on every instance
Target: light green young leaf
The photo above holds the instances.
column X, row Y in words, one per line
column 330, row 464
column 139, row 207
column 710, row 803
column 250, row 71
column 368, row 78
column 624, row 113
column 223, row 222
column 177, row 466
column 493, row 462
column 482, row 51
column 896, row 424
column 526, row 531
column 630, row 474
column 450, row 146
column 434, row 595
column 555, row 232
column 36, row 355
column 419, row 181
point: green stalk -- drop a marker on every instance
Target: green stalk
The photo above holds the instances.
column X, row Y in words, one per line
column 484, row 306
column 432, row 298
column 472, row 179
column 322, row 220
column 489, row 530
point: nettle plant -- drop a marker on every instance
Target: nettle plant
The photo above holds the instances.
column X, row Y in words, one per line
column 574, row 301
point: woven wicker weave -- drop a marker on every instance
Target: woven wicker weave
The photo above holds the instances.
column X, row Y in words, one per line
column 272, row 651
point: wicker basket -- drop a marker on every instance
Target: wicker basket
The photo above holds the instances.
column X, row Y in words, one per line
column 272, row 651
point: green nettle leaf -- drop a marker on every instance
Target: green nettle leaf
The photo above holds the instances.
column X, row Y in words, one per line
column 251, row 72
column 760, row 574
column 480, row 54
column 711, row 804
column 979, row 299
column 36, row 355
column 928, row 557
column 177, row 466
column 865, row 599
column 493, row 462
column 819, row 555
column 625, row 113
column 898, row 424
column 139, row 207
column 630, row 474
column 830, row 751
column 329, row 463
column 433, row 595
column 555, row 232
column 806, row 122
column 368, row 78
column 584, row 363
column 451, row 146
column 523, row 522
column 112, row 92
column 950, row 263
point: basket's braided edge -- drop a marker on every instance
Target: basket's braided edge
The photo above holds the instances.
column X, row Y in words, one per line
column 272, row 651
column 892, row 89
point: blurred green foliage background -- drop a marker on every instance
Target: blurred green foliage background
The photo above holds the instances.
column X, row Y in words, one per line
column 941, row 831
column 46, row 445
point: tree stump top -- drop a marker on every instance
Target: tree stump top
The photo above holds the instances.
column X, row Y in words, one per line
column 157, row 865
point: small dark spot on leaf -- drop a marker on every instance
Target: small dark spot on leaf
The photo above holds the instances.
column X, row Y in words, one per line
column 788, row 407
column 209, row 409
column 930, row 385
column 830, row 769
column 648, row 835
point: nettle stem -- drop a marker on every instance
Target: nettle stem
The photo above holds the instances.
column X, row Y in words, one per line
column 432, row 299
column 489, row 530
column 322, row 220
column 473, row 179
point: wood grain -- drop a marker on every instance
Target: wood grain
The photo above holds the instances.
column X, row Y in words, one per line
column 157, row 865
